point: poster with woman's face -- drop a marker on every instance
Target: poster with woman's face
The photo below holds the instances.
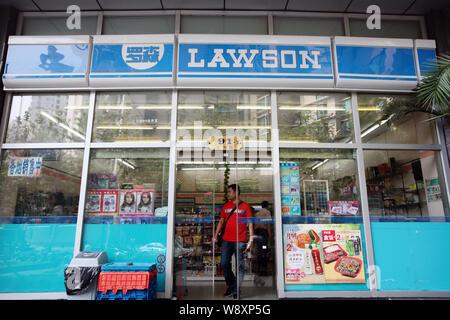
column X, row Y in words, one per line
column 145, row 202
column 127, row 201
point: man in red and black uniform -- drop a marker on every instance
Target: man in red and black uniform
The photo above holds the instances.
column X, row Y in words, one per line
column 235, row 240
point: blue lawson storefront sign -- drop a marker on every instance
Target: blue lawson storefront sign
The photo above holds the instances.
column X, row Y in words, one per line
column 137, row 62
column 366, row 63
column 216, row 61
column 289, row 62
column 47, row 62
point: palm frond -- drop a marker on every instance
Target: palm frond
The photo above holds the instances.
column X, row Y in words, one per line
column 434, row 90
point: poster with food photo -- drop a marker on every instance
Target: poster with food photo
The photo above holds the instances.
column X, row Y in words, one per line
column 323, row 253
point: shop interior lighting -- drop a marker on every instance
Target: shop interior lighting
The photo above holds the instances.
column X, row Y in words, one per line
column 195, row 107
column 368, row 109
column 376, row 126
column 114, row 107
column 62, row 125
column 319, row 164
column 120, row 127
column 154, row 107
column 248, row 107
column 244, row 127
column 308, row 108
column 126, row 163
column 76, row 107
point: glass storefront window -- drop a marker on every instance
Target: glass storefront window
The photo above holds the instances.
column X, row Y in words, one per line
column 39, row 195
column 127, row 185
column 308, row 26
column 52, row 26
column 389, row 29
column 309, row 117
column 132, row 116
column 231, row 113
column 224, row 24
column 138, row 24
column 404, row 183
column 411, row 129
column 48, row 118
column 323, row 236
column 40, row 183
column 126, row 206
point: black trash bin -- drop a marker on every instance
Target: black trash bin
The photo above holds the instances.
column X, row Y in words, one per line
column 81, row 275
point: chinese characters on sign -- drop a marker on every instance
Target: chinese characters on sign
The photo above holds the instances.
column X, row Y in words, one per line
column 25, row 167
column 142, row 54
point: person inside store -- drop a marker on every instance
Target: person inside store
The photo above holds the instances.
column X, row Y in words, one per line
column 234, row 239
column 57, row 202
column 261, row 239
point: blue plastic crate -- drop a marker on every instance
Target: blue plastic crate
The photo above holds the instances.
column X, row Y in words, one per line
column 130, row 295
column 127, row 267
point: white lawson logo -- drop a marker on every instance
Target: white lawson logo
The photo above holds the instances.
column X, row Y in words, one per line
column 229, row 58
column 142, row 56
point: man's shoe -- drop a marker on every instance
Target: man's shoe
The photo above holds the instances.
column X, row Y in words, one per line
column 228, row 292
column 235, row 297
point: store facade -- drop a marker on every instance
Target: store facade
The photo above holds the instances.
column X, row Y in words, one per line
column 120, row 140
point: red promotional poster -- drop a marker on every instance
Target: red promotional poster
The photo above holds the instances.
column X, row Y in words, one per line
column 102, row 201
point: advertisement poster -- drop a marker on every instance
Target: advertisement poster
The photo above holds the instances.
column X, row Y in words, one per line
column 102, row 201
column 136, row 203
column 25, row 167
column 290, row 188
column 343, row 208
column 323, row 253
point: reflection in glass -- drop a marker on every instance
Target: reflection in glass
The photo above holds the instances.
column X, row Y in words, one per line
column 37, row 183
column 128, row 117
column 138, row 24
column 308, row 26
column 404, row 183
column 325, row 182
column 127, row 186
column 413, row 128
column 390, row 29
column 307, row 117
column 205, row 114
column 57, row 26
column 224, row 24
column 48, row 118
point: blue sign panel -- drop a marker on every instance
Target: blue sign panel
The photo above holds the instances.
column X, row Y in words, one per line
column 254, row 61
column 132, row 60
column 46, row 61
column 426, row 58
column 375, row 63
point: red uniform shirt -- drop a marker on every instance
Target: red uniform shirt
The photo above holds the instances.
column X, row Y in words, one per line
column 243, row 211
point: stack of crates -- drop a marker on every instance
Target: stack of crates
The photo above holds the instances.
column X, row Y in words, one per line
column 127, row 281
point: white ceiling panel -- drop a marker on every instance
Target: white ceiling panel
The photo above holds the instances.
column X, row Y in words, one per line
column 255, row 4
column 386, row 6
column 61, row 5
column 318, row 5
column 129, row 4
column 193, row 4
